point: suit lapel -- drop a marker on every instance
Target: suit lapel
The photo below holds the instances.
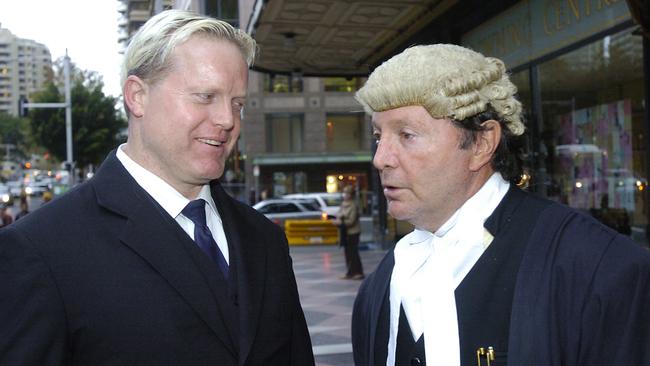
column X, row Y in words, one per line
column 153, row 236
column 249, row 251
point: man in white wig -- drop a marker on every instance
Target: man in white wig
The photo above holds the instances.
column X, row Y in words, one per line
column 491, row 275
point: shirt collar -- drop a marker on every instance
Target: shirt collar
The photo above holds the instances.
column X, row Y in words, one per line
column 472, row 213
column 167, row 197
column 482, row 204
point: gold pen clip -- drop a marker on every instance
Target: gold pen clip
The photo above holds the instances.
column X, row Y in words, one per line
column 489, row 355
column 479, row 352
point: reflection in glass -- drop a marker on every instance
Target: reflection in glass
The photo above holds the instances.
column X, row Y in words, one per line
column 591, row 155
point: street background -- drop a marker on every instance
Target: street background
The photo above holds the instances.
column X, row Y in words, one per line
column 327, row 300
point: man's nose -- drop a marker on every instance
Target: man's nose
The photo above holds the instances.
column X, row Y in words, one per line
column 224, row 115
column 384, row 156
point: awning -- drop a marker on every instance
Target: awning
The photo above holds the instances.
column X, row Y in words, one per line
column 337, row 38
column 319, row 158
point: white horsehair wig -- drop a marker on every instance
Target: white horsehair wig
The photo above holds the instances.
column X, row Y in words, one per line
column 449, row 81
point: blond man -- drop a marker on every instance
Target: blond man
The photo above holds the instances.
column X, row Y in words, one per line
column 150, row 262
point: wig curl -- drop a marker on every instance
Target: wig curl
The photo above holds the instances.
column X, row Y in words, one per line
column 449, row 81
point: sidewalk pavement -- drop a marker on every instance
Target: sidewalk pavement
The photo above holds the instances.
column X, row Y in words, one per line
column 327, row 300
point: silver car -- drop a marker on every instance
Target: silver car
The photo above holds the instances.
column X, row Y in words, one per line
column 328, row 202
column 280, row 209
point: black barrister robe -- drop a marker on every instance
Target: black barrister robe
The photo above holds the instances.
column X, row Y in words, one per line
column 580, row 293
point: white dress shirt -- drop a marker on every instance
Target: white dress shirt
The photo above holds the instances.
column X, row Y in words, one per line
column 173, row 202
column 429, row 267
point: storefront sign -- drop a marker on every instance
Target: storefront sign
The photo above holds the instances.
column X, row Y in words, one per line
column 533, row 28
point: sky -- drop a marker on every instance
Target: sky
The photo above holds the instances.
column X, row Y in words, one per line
column 87, row 28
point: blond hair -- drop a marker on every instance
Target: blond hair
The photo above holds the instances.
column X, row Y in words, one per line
column 147, row 55
column 449, row 81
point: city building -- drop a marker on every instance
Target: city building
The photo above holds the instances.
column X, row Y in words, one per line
column 134, row 13
column 25, row 66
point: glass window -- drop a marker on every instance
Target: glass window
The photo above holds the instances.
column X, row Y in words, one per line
column 310, row 205
column 284, row 133
column 521, row 80
column 227, row 10
column 592, row 152
column 342, row 84
column 280, row 83
column 344, row 132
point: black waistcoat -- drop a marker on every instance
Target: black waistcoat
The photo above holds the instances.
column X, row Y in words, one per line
column 483, row 310
column 408, row 352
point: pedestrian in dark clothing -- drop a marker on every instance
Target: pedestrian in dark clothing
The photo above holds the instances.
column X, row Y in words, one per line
column 348, row 222
column 24, row 209
column 5, row 217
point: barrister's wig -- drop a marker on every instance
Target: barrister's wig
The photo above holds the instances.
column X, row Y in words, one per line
column 449, row 81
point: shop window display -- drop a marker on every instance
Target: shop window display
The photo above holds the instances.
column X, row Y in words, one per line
column 592, row 148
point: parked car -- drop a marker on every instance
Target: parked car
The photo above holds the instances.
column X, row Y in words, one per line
column 36, row 188
column 278, row 210
column 328, row 202
column 15, row 188
column 39, row 186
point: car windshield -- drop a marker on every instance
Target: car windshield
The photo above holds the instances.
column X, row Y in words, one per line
column 310, row 205
column 333, row 201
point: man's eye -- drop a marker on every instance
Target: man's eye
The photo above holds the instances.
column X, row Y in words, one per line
column 238, row 106
column 376, row 137
column 407, row 135
column 204, row 97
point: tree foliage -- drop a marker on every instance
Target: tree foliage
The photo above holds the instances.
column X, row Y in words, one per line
column 15, row 131
column 96, row 123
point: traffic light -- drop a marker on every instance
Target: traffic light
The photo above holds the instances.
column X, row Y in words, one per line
column 22, row 109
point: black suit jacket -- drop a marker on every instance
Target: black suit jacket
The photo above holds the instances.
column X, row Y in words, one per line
column 102, row 276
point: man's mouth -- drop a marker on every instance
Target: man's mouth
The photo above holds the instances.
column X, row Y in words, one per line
column 388, row 189
column 210, row 142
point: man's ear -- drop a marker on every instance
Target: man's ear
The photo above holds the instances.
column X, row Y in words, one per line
column 135, row 95
column 486, row 144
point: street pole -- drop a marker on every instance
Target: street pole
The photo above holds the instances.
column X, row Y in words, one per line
column 68, row 118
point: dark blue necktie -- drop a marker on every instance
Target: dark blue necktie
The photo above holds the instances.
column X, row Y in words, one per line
column 195, row 211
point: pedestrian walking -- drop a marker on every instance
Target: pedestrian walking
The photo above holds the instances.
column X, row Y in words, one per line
column 348, row 221
column 5, row 216
column 24, row 209
column 47, row 197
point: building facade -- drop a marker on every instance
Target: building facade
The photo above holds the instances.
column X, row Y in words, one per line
column 134, row 13
column 305, row 134
column 25, row 66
